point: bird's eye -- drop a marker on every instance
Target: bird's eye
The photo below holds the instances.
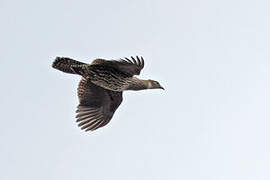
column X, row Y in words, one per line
column 155, row 82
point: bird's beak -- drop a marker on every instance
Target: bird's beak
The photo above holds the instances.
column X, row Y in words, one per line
column 161, row 87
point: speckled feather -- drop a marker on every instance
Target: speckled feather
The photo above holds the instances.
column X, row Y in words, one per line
column 97, row 105
column 112, row 75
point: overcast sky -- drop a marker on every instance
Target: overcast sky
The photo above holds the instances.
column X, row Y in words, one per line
column 211, row 123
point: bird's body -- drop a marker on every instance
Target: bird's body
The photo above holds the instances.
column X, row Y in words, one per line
column 110, row 78
column 101, row 87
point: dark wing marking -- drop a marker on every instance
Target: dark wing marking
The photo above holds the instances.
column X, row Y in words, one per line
column 132, row 66
column 97, row 105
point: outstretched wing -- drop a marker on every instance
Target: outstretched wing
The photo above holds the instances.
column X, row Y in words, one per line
column 97, row 105
column 130, row 66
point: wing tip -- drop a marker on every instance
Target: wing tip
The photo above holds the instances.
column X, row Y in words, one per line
column 89, row 119
column 137, row 60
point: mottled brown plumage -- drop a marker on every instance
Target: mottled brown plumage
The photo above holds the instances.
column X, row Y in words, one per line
column 101, row 87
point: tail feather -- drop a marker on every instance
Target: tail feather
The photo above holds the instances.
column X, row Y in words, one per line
column 66, row 65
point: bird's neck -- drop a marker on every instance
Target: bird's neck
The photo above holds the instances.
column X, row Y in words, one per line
column 137, row 84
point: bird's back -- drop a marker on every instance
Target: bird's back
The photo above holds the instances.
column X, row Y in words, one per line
column 109, row 74
column 107, row 77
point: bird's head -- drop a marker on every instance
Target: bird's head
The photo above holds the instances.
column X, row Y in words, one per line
column 151, row 84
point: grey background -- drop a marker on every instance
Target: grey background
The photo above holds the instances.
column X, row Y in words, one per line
column 211, row 123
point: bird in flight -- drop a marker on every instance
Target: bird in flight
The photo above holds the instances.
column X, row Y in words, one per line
column 101, row 87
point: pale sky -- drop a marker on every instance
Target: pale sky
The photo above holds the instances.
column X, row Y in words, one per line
column 211, row 123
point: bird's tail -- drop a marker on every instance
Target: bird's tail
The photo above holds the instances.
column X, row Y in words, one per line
column 67, row 65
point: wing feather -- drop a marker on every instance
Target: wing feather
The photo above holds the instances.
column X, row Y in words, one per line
column 130, row 66
column 97, row 105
